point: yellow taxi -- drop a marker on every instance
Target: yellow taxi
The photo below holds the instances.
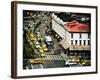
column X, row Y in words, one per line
column 39, row 38
column 33, row 61
column 83, row 63
column 45, row 48
column 43, row 44
column 33, row 38
column 43, row 55
column 86, row 63
column 31, row 35
column 40, row 50
column 36, row 42
column 76, row 60
column 68, row 60
column 38, row 34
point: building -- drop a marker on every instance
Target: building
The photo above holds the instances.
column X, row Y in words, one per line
column 75, row 34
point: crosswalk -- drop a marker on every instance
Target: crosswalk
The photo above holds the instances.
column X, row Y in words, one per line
column 53, row 57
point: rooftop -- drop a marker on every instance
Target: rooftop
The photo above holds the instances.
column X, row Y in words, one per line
column 75, row 26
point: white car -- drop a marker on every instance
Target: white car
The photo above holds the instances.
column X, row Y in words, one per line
column 48, row 40
column 70, row 63
column 37, row 45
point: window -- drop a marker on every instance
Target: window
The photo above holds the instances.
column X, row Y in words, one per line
column 88, row 42
column 88, row 35
column 76, row 42
column 84, row 42
column 71, row 35
column 80, row 42
column 71, row 42
column 80, row 35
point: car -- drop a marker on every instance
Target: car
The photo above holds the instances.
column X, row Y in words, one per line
column 36, row 42
column 37, row 45
column 77, row 60
column 33, row 61
column 45, row 49
column 48, row 40
column 43, row 55
column 38, row 34
column 86, row 63
column 67, row 60
column 33, row 39
column 31, row 35
column 44, row 46
column 41, row 50
column 40, row 39
column 71, row 63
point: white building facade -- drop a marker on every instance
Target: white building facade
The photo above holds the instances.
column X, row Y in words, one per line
column 76, row 40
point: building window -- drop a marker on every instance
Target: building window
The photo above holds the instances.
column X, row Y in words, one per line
column 89, row 36
column 80, row 35
column 80, row 42
column 76, row 42
column 71, row 42
column 88, row 42
column 84, row 42
column 71, row 35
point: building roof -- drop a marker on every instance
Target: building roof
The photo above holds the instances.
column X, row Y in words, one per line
column 75, row 26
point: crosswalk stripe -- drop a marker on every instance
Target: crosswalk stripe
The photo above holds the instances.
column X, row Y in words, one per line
column 52, row 57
